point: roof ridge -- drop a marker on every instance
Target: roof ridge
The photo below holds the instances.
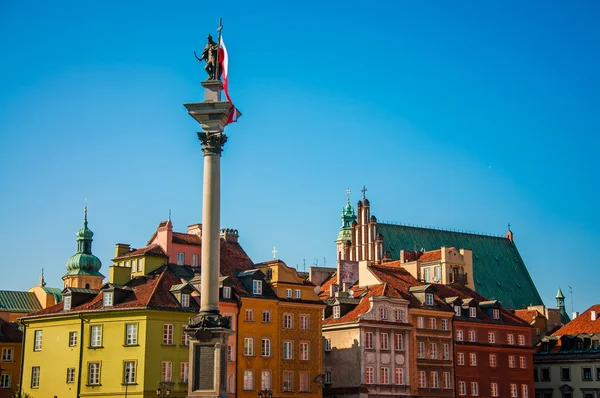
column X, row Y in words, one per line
column 156, row 285
column 401, row 224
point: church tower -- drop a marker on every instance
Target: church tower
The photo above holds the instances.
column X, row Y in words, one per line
column 344, row 239
column 83, row 268
column 560, row 306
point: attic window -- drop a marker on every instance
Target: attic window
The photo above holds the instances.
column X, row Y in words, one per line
column 67, row 303
column 336, row 311
column 496, row 313
column 257, row 287
column 457, row 310
column 226, row 292
column 269, row 273
column 185, row 300
column 472, row 312
column 428, row 299
column 107, row 299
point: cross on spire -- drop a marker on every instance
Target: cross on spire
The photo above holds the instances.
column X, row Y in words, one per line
column 348, row 194
column 509, row 226
column 274, row 253
column 364, row 191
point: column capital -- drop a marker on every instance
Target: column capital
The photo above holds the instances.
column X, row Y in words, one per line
column 212, row 143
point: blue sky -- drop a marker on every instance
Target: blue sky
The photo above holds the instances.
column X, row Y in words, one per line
column 466, row 116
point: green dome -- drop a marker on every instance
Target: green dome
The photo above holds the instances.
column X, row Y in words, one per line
column 84, row 262
column 348, row 216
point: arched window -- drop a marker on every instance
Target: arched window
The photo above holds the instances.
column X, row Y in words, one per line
column 87, row 285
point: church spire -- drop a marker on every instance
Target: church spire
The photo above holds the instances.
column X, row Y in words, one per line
column 560, row 306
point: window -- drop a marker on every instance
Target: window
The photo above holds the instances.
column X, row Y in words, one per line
column 249, row 315
column 587, row 374
column 428, row 299
column 5, row 380
column 67, row 303
column 229, row 353
column 491, row 337
column 385, row 375
column 399, row 380
column 435, row 380
column 304, row 322
column 399, row 346
column 107, row 299
column 511, row 361
column 180, row 258
column 227, row 292
column 70, row 375
column 288, row 350
column 421, row 352
column 383, row 313
column 298, row 293
column 184, row 368
column 472, row 336
column 458, row 312
column 496, row 313
column 384, row 341
column 426, row 274
column 37, row 340
column 546, row 374
column 437, row 274
column 93, row 373
column 167, row 372
column 447, row 381
column 288, row 321
column 266, row 316
column 139, row 265
column 494, row 389
column 369, row 340
column 459, row 335
column 288, row 385
column 524, row 391
column 265, row 380
column 399, row 315
column 473, row 359
column 328, row 377
column 510, row 338
column 131, row 334
column 522, row 362
column 185, row 338
column 185, row 300
column 304, row 350
column 96, row 336
column 72, row 339
column 521, row 339
column 462, row 388
column 168, row 334
column 7, row 355
column 129, row 372
column 288, row 293
column 230, row 384
column 446, row 352
column 336, row 311
column 433, row 351
column 422, row 379
column 257, row 287
column 432, row 323
column 420, row 322
column 444, row 324
column 472, row 312
column 35, row 377
column 493, row 361
column 248, row 346
column 565, row 374
column 265, row 347
column 248, row 380
column 194, row 260
column 598, row 373
column 327, row 345
column 514, row 392
column 460, row 358
column 474, row 388
column 369, row 375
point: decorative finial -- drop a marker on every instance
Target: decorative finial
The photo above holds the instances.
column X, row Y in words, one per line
column 509, row 226
column 348, row 195
column 85, row 212
column 42, row 281
column 364, row 191
column 274, row 253
column 169, row 214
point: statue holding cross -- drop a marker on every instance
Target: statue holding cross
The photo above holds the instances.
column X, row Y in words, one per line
column 210, row 55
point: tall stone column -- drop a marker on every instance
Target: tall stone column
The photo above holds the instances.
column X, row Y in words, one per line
column 209, row 330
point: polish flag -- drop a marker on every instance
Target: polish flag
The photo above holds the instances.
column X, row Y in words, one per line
column 224, row 60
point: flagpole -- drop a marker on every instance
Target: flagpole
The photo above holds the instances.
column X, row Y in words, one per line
column 219, row 48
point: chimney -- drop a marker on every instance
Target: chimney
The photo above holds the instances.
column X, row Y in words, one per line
column 575, row 315
column 229, row 235
column 195, row 229
column 593, row 315
column 122, row 248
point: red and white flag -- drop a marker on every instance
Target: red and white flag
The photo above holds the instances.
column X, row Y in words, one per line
column 224, row 60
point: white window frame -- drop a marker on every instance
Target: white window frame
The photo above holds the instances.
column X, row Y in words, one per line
column 107, row 299
column 131, row 334
column 304, row 322
column 184, row 372
column 249, row 315
column 7, row 354
column 474, row 389
column 457, row 310
column 166, row 372
column 257, row 287
column 472, row 359
column 194, row 260
column 185, row 338
column 446, row 351
column 496, row 313
column 96, row 336
column 514, row 390
column 444, row 324
column 328, row 377
column 70, row 375
column 73, row 339
column 298, row 293
column 94, row 370
column 288, row 321
column 248, row 346
column 472, row 312
column 512, row 362
column 266, row 316
column 37, row 340
column 265, row 380
column 5, row 380
column 493, row 361
column 327, row 345
column 399, row 342
column 460, row 358
column 521, row 339
column 421, row 350
column 384, row 341
column 524, row 391
column 435, row 379
column 422, row 379
column 492, row 337
column 248, row 383
column 472, row 336
column 185, row 300
column 265, row 347
column 35, row 377
column 304, row 351
column 460, row 335
column 369, row 375
column 433, row 323
column 399, row 376
column 433, row 351
column 227, row 292
column 510, row 339
column 462, row 388
column 288, row 381
column 180, row 258
column 288, row 350
column 421, row 322
column 168, row 331
column 447, row 380
column 428, row 298
column 494, row 389
column 385, row 375
column 288, row 293
column 336, row 311
column 67, row 303
column 129, row 377
column 139, row 265
column 522, row 362
column 369, row 340
column 383, row 313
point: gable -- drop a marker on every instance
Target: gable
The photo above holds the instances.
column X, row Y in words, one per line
column 498, row 269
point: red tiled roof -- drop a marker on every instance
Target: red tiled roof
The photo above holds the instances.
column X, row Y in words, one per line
column 152, row 250
column 400, row 279
column 233, row 260
column 431, row 256
column 9, row 333
column 361, row 308
column 186, row 239
column 583, row 323
column 326, row 286
column 527, row 315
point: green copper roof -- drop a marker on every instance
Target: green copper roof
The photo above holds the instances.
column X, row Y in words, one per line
column 560, row 294
column 84, row 262
column 19, row 301
column 56, row 292
column 348, row 216
column 499, row 271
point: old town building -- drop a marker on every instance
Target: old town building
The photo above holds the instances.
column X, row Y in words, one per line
column 10, row 358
